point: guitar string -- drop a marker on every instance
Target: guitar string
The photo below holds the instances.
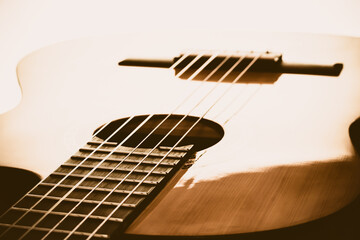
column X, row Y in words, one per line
column 188, row 97
column 138, row 145
column 172, row 148
column 154, row 148
column 94, row 151
column 28, row 210
column 105, row 141
column 244, row 104
column 234, row 100
column 178, row 74
column 100, row 129
column 105, row 125
column 129, row 174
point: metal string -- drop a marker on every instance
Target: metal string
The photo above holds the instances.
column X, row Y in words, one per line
column 100, row 129
column 235, row 113
column 188, row 97
column 179, row 122
column 177, row 74
column 139, row 144
column 105, row 141
column 172, row 148
column 244, row 103
column 233, row 101
column 28, row 210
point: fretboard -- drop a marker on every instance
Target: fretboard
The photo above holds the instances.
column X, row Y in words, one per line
column 95, row 194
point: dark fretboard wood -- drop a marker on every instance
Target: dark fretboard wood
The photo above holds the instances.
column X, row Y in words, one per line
column 84, row 192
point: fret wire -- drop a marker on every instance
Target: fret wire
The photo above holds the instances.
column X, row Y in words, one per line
column 105, row 144
column 85, row 200
column 97, row 189
column 184, row 56
column 239, row 109
column 111, row 163
column 109, row 193
column 122, row 143
column 90, row 154
column 88, row 173
column 193, row 75
column 110, row 168
column 122, row 202
column 64, row 177
column 36, row 185
column 180, row 149
column 158, row 144
column 232, row 84
column 163, row 157
column 98, row 235
column 113, row 219
column 108, row 178
column 40, row 181
column 126, row 152
column 116, row 170
column 125, row 160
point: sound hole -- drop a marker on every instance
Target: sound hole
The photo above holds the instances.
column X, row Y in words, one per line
column 203, row 135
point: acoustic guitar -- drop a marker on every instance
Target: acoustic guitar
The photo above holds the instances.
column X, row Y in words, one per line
column 206, row 144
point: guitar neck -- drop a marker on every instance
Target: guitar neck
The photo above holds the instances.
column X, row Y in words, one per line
column 95, row 194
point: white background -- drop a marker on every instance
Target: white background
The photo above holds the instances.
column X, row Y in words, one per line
column 26, row 25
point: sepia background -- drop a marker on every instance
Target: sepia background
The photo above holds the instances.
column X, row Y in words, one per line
column 28, row 25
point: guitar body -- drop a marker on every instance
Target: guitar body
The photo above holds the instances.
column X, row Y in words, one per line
column 285, row 158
